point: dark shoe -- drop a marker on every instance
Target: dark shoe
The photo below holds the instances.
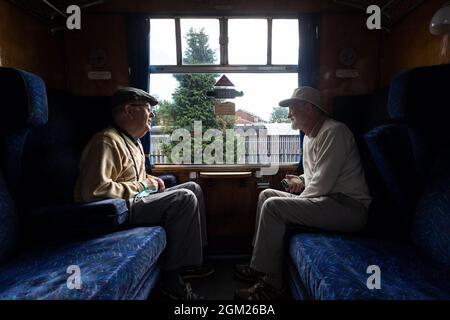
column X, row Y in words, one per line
column 201, row 271
column 260, row 291
column 245, row 273
column 185, row 293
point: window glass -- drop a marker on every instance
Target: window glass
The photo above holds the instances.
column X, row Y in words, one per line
column 200, row 41
column 285, row 41
column 247, row 41
column 183, row 101
column 162, row 42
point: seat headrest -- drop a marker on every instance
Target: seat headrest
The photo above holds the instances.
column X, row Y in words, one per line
column 420, row 96
column 23, row 99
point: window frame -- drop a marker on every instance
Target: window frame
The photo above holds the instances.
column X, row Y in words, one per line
column 224, row 66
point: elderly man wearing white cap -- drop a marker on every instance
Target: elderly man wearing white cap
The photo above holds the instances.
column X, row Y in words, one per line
column 333, row 194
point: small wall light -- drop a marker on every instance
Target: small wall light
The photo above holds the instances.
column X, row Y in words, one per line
column 440, row 23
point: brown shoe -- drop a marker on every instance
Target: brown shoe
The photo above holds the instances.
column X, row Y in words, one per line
column 200, row 271
column 260, row 291
column 245, row 273
column 185, row 293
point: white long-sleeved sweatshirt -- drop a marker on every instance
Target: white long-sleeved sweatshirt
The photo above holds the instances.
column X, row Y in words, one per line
column 332, row 164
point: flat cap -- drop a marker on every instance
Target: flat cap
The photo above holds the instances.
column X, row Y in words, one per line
column 129, row 94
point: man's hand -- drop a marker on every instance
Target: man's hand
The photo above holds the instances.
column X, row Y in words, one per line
column 159, row 182
column 151, row 183
column 296, row 185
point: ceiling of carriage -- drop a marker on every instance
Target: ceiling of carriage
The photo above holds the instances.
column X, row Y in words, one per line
column 52, row 12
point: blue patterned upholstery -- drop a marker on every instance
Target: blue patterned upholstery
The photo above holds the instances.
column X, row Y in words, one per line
column 118, row 266
column 8, row 222
column 335, row 267
column 414, row 90
column 72, row 122
column 298, row 290
column 431, row 228
column 362, row 113
column 391, row 151
column 85, row 219
column 24, row 105
column 419, row 98
column 169, row 180
column 24, row 99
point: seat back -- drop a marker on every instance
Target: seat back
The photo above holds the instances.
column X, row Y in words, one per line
column 52, row 152
column 362, row 113
column 409, row 152
column 23, row 106
column 390, row 146
column 431, row 224
column 8, row 222
column 419, row 98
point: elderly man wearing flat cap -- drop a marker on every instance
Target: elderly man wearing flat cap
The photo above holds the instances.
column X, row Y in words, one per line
column 331, row 195
column 113, row 166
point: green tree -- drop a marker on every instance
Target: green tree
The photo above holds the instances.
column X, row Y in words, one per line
column 198, row 50
column 190, row 102
column 279, row 115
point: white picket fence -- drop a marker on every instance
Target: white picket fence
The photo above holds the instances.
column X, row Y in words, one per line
column 279, row 149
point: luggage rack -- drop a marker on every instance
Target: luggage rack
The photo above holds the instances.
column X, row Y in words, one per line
column 53, row 12
column 392, row 11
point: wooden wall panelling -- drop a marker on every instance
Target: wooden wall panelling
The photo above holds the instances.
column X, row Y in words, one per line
column 106, row 33
column 27, row 44
column 410, row 44
column 221, row 6
column 230, row 209
column 347, row 31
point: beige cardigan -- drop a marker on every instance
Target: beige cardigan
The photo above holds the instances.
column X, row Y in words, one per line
column 107, row 169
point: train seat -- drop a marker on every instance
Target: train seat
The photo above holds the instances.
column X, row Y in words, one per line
column 44, row 242
column 411, row 156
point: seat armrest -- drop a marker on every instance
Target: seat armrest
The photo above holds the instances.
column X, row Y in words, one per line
column 83, row 219
column 169, row 180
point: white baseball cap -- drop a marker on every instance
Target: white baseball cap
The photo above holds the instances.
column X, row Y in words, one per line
column 308, row 94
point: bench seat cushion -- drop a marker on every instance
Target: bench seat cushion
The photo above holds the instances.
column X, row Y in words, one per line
column 335, row 267
column 116, row 266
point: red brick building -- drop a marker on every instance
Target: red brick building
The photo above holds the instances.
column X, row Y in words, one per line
column 245, row 117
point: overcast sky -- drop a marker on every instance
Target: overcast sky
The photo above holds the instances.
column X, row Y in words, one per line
column 247, row 45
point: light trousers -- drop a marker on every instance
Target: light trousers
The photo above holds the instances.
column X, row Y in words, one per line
column 276, row 209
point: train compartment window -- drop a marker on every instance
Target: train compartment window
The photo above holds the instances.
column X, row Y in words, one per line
column 254, row 55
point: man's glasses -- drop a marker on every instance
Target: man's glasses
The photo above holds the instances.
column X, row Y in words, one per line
column 145, row 105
